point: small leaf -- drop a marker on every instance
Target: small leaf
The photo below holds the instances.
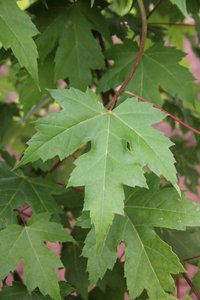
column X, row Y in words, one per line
column 27, row 244
column 181, row 4
column 16, row 33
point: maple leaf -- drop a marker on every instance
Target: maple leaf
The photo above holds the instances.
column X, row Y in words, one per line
column 69, row 28
column 77, row 49
column 17, row 190
column 181, row 4
column 159, row 67
column 123, row 141
column 40, row 262
column 149, row 260
column 16, row 33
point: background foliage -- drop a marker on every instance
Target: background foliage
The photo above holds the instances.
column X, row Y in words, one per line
column 92, row 209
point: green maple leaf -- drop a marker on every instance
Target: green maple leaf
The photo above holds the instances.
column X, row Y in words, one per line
column 123, row 141
column 69, row 29
column 78, row 52
column 16, row 33
column 27, row 244
column 181, row 4
column 159, row 68
column 17, row 190
column 149, row 260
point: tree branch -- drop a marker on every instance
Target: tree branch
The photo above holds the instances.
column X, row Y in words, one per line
column 138, row 58
column 166, row 112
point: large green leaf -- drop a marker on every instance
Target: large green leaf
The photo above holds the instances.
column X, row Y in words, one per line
column 149, row 260
column 122, row 143
column 17, row 190
column 27, row 244
column 159, row 68
column 16, row 33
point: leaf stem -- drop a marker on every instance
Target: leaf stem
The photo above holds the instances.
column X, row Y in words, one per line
column 171, row 24
column 193, row 287
column 138, row 58
column 166, row 112
column 190, row 258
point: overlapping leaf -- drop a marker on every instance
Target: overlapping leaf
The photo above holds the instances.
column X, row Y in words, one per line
column 122, row 143
column 76, row 269
column 78, row 52
column 29, row 93
column 16, row 190
column 68, row 29
column 16, row 33
column 159, row 68
column 149, row 260
column 185, row 244
column 19, row 292
column 40, row 262
column 113, row 285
